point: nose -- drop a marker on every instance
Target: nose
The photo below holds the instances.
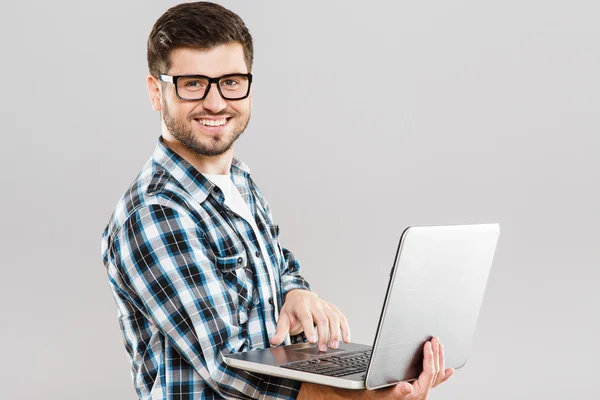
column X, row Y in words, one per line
column 213, row 100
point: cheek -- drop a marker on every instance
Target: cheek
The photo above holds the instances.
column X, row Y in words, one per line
column 180, row 113
column 242, row 109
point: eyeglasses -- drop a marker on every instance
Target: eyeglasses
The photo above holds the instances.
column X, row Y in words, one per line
column 196, row 87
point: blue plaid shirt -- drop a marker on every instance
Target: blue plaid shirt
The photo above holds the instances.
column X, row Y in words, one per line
column 191, row 284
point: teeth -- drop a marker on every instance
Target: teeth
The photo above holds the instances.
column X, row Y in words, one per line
column 212, row 122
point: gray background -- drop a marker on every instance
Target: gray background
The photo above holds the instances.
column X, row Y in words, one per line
column 367, row 117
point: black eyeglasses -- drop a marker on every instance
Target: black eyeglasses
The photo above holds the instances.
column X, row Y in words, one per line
column 196, row 87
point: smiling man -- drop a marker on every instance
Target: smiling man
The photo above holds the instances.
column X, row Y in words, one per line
column 192, row 251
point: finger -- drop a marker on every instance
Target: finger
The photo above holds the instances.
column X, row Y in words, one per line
column 435, row 344
column 442, row 367
column 402, row 390
column 308, row 326
column 345, row 327
column 447, row 374
column 334, row 328
column 323, row 327
column 426, row 378
column 283, row 327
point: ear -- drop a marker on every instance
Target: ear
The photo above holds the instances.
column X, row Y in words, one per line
column 154, row 92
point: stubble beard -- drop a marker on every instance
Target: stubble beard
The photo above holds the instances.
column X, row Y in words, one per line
column 184, row 133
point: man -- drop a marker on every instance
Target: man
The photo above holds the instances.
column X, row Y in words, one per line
column 191, row 250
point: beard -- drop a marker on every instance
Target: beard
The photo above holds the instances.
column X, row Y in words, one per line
column 216, row 146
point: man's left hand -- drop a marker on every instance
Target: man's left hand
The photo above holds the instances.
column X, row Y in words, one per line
column 303, row 309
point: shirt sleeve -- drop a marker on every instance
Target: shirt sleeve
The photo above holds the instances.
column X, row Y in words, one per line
column 168, row 270
column 290, row 275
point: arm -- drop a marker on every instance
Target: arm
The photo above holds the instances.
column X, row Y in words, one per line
column 168, row 272
column 303, row 309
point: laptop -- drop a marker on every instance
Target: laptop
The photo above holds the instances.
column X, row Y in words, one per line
column 436, row 288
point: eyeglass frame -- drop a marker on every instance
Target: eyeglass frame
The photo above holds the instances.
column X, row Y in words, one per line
column 174, row 78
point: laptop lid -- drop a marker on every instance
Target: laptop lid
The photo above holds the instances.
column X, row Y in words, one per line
column 436, row 289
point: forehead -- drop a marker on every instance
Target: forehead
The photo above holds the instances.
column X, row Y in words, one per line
column 216, row 61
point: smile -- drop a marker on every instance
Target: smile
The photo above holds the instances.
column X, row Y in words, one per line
column 212, row 122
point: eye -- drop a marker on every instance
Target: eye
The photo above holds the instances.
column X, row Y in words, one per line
column 230, row 82
column 194, row 84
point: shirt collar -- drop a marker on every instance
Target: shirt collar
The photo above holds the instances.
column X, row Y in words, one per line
column 186, row 174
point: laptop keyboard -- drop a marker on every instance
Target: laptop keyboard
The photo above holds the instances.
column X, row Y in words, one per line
column 347, row 364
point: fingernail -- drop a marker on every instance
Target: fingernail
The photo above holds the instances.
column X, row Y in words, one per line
column 323, row 347
column 313, row 338
column 335, row 344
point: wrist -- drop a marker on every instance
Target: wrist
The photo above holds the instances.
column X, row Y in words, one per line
column 292, row 291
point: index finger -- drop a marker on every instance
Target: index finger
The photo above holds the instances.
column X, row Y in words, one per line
column 283, row 326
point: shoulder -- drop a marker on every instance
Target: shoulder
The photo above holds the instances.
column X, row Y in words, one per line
column 153, row 196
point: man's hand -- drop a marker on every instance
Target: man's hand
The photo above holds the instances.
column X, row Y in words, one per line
column 301, row 310
column 434, row 373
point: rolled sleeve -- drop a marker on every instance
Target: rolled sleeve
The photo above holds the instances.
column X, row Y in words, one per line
column 290, row 276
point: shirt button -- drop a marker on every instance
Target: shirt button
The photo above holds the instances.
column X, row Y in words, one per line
column 270, row 300
column 240, row 260
column 257, row 254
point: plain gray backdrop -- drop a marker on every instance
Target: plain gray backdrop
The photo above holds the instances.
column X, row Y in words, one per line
column 368, row 117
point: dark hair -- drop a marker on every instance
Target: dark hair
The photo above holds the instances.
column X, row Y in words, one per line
column 199, row 25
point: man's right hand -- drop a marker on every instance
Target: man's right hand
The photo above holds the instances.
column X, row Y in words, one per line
column 434, row 373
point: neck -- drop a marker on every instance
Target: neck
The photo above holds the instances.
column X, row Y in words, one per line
column 212, row 165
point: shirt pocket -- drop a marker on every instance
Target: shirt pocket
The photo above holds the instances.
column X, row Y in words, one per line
column 238, row 279
column 231, row 263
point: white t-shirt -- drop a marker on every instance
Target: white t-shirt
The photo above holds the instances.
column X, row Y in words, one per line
column 233, row 198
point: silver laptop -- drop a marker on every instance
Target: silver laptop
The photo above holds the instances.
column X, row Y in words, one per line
column 436, row 288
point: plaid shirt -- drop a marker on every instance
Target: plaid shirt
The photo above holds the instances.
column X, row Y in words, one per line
column 191, row 284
